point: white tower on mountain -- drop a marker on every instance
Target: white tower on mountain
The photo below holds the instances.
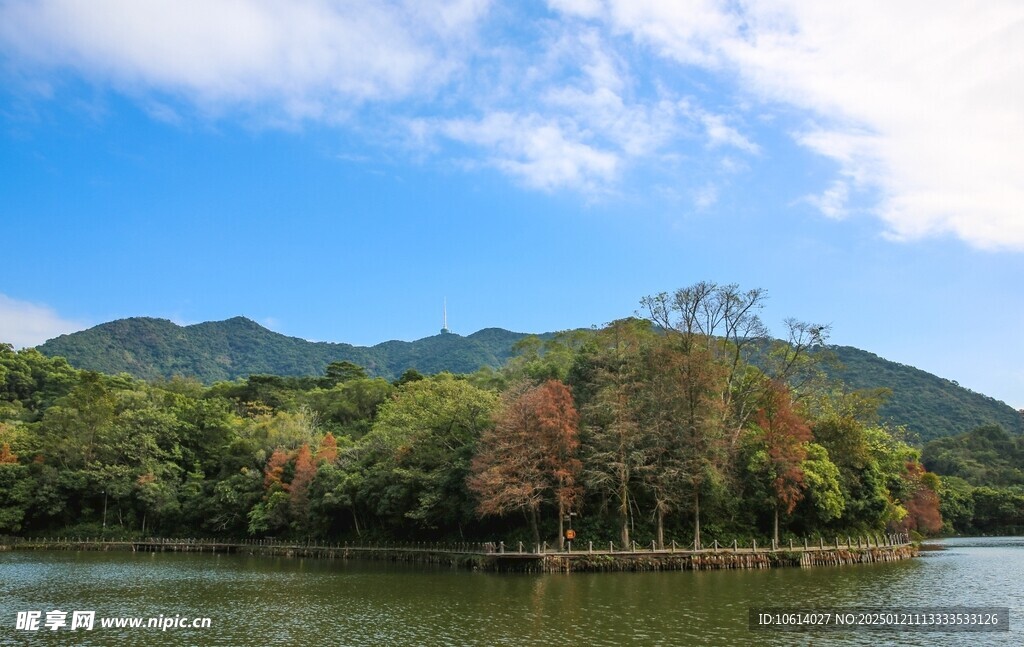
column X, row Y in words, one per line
column 444, row 325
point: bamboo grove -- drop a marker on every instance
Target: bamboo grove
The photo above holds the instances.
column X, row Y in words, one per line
column 688, row 424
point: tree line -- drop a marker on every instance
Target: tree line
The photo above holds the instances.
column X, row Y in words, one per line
column 687, row 424
column 981, row 480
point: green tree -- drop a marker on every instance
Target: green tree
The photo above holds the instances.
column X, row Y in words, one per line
column 420, row 449
column 15, row 491
column 956, row 504
column 344, row 371
column 334, row 493
column 349, row 408
column 681, row 411
column 724, row 322
column 822, row 482
column 605, row 379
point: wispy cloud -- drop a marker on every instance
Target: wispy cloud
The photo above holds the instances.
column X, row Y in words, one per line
column 832, row 201
column 919, row 100
column 572, row 115
column 306, row 59
column 27, row 324
column 705, row 196
column 543, row 154
column 917, row 103
column 717, row 129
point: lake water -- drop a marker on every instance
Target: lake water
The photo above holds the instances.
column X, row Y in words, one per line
column 280, row 601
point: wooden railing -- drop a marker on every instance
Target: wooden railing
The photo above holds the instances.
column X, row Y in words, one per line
column 519, row 549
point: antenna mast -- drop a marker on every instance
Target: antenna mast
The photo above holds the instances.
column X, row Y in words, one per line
column 444, row 325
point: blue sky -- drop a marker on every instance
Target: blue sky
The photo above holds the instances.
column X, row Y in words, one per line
column 335, row 170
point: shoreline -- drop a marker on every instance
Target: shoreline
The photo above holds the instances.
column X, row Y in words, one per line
column 488, row 558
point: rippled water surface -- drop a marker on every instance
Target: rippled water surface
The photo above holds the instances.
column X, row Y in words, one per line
column 279, row 601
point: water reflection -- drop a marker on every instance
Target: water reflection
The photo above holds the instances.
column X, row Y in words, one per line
column 279, row 601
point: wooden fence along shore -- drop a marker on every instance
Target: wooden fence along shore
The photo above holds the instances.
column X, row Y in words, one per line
column 583, row 556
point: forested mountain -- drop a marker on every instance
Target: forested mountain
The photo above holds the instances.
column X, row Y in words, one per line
column 929, row 406
column 602, row 423
column 654, row 429
column 982, row 480
column 986, row 456
column 225, row 350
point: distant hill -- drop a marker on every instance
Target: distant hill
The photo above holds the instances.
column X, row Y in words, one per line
column 929, row 406
column 986, row 456
column 224, row 350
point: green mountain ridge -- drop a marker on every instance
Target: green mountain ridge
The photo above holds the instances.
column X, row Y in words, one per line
column 212, row 351
column 928, row 405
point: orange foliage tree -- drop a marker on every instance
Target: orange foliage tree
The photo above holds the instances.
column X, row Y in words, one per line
column 305, row 470
column 6, row 455
column 784, row 435
column 328, row 450
column 923, row 505
column 274, row 470
column 530, row 456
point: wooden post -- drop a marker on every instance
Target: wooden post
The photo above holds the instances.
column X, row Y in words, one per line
column 501, row 547
column 520, row 547
column 735, row 546
column 611, row 547
column 790, row 544
column 652, row 546
column 754, row 544
column 590, row 546
column 673, row 545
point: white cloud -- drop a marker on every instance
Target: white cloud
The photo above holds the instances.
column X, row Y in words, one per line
column 687, row 30
column 305, row 58
column 572, row 116
column 560, row 109
column 27, row 324
column 717, row 129
column 918, row 100
column 579, row 8
column 917, row 103
column 832, row 202
column 542, row 153
column 705, row 196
